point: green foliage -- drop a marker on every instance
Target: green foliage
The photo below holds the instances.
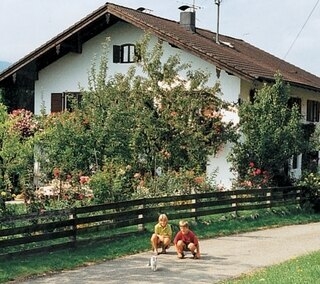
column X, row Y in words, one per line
column 272, row 133
column 112, row 184
column 311, row 183
column 310, row 180
column 173, row 183
column 65, row 144
column 168, row 119
column 181, row 124
column 16, row 152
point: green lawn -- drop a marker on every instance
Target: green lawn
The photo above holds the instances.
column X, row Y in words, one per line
column 23, row 267
column 305, row 269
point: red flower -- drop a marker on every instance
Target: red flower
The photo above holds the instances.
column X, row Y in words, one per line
column 251, row 164
column 257, row 172
column 199, row 180
column 84, row 179
column 56, row 172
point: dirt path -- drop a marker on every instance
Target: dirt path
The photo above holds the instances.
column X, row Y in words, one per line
column 222, row 258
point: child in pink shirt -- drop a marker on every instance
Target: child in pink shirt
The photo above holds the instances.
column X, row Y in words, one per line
column 185, row 240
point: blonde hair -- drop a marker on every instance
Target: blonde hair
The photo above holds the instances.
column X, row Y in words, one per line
column 163, row 217
column 184, row 223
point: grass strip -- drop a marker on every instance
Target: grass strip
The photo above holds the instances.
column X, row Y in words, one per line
column 304, row 269
column 24, row 267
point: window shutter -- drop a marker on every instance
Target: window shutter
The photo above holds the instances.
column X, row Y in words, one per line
column 313, row 111
column 57, row 102
column 116, row 54
column 309, row 110
column 252, row 94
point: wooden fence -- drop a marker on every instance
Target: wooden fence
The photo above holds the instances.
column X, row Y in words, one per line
column 69, row 228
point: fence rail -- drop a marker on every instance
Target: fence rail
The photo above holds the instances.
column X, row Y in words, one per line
column 69, row 228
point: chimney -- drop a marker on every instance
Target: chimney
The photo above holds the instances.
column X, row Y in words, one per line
column 188, row 20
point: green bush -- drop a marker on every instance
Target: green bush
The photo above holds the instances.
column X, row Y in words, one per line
column 113, row 183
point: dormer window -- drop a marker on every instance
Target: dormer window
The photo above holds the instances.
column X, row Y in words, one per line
column 124, row 53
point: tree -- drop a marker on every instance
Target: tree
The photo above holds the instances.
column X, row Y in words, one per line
column 167, row 119
column 271, row 135
column 176, row 116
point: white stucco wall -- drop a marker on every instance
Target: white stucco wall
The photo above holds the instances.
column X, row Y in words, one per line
column 71, row 72
column 218, row 166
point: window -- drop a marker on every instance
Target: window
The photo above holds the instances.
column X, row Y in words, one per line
column 124, row 53
column 64, row 101
column 313, row 108
column 294, row 101
column 310, row 161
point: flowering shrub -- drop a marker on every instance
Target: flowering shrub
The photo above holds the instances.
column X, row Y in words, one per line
column 64, row 192
column 56, row 172
column 171, row 183
column 112, row 184
column 312, row 182
column 25, row 122
column 255, row 177
column 84, row 180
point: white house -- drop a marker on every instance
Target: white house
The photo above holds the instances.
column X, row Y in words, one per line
column 61, row 65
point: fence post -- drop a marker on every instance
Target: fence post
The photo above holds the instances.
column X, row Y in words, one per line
column 140, row 216
column 194, row 209
column 73, row 216
column 299, row 195
column 235, row 204
column 269, row 195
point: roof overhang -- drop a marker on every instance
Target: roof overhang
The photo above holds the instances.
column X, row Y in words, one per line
column 25, row 71
column 239, row 62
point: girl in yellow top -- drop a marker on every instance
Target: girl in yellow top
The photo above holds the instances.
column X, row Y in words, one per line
column 161, row 238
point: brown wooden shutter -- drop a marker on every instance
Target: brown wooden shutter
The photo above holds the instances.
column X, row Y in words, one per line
column 116, row 54
column 57, row 102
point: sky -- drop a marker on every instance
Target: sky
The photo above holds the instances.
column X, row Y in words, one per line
column 283, row 28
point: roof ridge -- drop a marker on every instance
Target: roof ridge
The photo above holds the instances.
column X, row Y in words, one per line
column 240, row 58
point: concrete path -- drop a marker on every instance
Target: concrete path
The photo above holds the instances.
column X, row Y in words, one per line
column 222, row 258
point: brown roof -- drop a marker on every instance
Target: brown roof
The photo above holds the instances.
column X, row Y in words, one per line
column 237, row 57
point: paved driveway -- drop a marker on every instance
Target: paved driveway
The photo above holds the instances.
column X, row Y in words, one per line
column 222, row 258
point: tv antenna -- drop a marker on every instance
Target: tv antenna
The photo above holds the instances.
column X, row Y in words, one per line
column 218, row 2
column 187, row 6
column 143, row 9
